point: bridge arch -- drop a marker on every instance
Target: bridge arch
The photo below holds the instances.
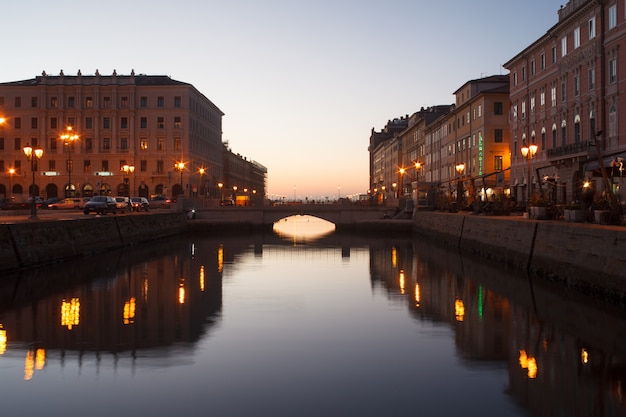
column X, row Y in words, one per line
column 340, row 215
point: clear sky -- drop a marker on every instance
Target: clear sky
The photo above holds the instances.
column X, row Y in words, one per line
column 301, row 82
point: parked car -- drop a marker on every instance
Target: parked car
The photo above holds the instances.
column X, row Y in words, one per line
column 83, row 201
column 66, row 203
column 38, row 201
column 49, row 201
column 123, row 204
column 12, row 204
column 101, row 204
column 140, row 203
column 160, row 201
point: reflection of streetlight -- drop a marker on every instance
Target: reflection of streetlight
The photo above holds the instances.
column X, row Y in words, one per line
column 528, row 152
column 180, row 166
column 11, row 173
column 128, row 169
column 68, row 139
column 459, row 192
column 32, row 155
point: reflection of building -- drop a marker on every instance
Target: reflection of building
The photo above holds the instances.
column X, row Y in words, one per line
column 168, row 131
column 169, row 297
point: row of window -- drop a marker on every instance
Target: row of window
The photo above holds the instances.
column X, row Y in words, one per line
column 576, row 83
column 591, row 32
column 106, row 144
column 106, row 122
column 71, row 102
column 87, row 168
column 577, row 139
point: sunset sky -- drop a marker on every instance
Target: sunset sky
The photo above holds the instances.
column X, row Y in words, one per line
column 301, row 83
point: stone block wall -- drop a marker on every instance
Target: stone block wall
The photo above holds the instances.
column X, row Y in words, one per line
column 33, row 243
column 589, row 257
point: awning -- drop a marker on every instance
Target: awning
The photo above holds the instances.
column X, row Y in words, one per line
column 615, row 166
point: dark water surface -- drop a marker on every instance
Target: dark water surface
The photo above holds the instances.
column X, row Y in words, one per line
column 343, row 326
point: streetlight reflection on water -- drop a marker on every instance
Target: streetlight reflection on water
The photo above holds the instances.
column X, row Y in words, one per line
column 302, row 228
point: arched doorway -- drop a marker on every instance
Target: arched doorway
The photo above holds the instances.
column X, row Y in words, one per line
column 3, row 190
column 17, row 190
column 52, row 191
column 33, row 190
column 143, row 190
column 105, row 189
column 88, row 190
column 159, row 189
column 70, row 190
column 177, row 190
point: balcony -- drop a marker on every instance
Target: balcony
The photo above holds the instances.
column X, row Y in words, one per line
column 569, row 149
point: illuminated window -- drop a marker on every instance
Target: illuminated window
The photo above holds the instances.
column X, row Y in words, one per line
column 497, row 163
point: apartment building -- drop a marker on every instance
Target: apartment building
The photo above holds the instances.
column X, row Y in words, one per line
column 385, row 148
column 415, row 156
column 567, row 97
column 423, row 156
column 130, row 134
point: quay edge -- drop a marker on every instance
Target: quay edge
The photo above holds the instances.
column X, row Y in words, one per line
column 589, row 258
column 35, row 243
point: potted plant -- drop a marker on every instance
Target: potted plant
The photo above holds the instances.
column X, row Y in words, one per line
column 602, row 211
column 573, row 212
column 538, row 208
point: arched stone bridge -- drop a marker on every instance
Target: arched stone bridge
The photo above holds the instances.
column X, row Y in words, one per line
column 343, row 216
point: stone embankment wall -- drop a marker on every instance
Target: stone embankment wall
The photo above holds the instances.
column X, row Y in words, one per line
column 588, row 257
column 35, row 243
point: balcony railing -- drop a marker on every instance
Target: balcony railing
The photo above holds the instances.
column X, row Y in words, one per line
column 569, row 149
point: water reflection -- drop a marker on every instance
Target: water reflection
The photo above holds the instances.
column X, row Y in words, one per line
column 347, row 324
column 303, row 228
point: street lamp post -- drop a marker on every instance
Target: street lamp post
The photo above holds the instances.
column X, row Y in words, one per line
column 418, row 166
column 33, row 155
column 459, row 191
column 128, row 169
column 401, row 187
column 181, row 166
column 220, row 185
column 11, row 173
column 528, row 152
column 68, row 139
column 201, row 172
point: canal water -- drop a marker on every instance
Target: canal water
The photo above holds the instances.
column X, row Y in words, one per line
column 289, row 325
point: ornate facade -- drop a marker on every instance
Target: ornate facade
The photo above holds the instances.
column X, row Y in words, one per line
column 567, row 97
column 130, row 134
